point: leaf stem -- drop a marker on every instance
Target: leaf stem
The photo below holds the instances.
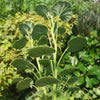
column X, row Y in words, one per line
column 62, row 56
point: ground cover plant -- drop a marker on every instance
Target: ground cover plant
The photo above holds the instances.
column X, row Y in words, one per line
column 44, row 51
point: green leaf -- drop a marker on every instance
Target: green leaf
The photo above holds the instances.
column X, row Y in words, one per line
column 46, row 63
column 19, row 44
column 61, row 30
column 24, row 29
column 22, row 64
column 61, row 98
column 76, row 44
column 43, row 40
column 24, row 84
column 38, row 31
column 40, row 51
column 72, row 89
column 72, row 80
column 94, row 81
column 44, row 81
column 77, row 73
column 42, row 10
column 97, row 91
column 94, row 72
column 82, row 68
column 30, row 24
column 74, row 61
column 89, row 84
column 80, row 80
column 15, row 80
column 67, row 71
column 62, row 9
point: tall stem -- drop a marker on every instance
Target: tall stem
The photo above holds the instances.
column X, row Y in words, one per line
column 54, row 58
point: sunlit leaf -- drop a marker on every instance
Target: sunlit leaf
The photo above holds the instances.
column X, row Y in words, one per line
column 42, row 10
column 74, row 60
column 30, row 24
column 89, row 84
column 24, row 29
column 62, row 9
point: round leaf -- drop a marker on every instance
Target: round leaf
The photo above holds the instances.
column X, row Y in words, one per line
column 76, row 44
column 22, row 64
column 43, row 40
column 19, row 44
column 46, row 63
column 24, row 84
column 46, row 81
column 62, row 9
column 42, row 10
column 38, row 31
column 61, row 30
column 24, row 28
column 40, row 51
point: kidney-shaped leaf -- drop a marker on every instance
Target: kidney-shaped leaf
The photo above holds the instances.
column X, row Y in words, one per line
column 19, row 44
column 38, row 31
column 39, row 51
column 44, row 81
column 61, row 30
column 62, row 9
column 24, row 28
column 22, row 64
column 24, row 84
column 76, row 44
column 43, row 40
column 67, row 71
column 46, row 63
column 42, row 10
